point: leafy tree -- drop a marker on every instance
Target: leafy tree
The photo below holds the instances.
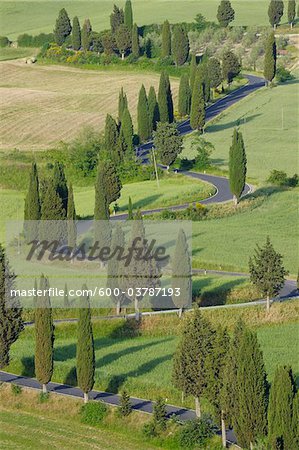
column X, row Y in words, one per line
column 190, row 370
column 32, row 211
column 11, row 323
column 128, row 15
column 111, row 136
column 86, row 35
column 166, row 39
column 230, row 66
column 291, row 12
column 130, row 210
column 153, row 109
column 280, row 411
column 184, row 96
column 114, row 268
column 123, row 40
column 214, row 72
column 125, row 408
column 225, row 13
column 193, row 71
column 122, row 104
column 180, row 45
column 84, row 151
column 76, row 34
column 144, row 130
column 71, row 219
column 197, row 112
column 275, row 12
column 270, row 59
column 237, row 166
column 167, row 142
column 116, row 18
column 44, row 336
column 60, row 183
column 135, row 41
column 181, row 273
column 108, row 41
column 267, row 272
column 127, row 130
column 63, row 27
column 85, row 347
column 165, row 99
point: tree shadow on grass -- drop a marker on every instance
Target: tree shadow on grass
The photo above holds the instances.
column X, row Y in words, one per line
column 234, row 123
column 143, row 203
column 28, row 369
column 219, row 295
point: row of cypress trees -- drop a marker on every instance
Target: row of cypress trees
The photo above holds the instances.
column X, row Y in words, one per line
column 230, row 373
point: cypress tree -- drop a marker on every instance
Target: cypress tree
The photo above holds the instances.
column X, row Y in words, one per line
column 102, row 232
column 270, row 59
column 76, row 34
column 230, row 66
column 165, row 99
column 44, row 336
column 190, row 371
column 280, row 411
column 295, row 420
column 180, row 45
column 128, row 15
column 184, row 96
column 86, row 35
column 275, row 12
column 125, row 404
column 122, row 104
column 166, row 39
column 197, row 113
column 111, row 136
column 71, row 220
column 193, row 71
column 130, row 210
column 60, row 183
column 267, row 272
column 52, row 213
column 11, row 323
column 127, row 130
column 153, row 109
column 114, row 268
column 291, row 12
column 123, row 39
column 237, row 166
column 121, row 148
column 116, row 18
column 63, row 27
column 135, row 42
column 181, row 273
column 85, row 348
column 214, row 72
column 110, row 179
column 225, row 13
column 32, row 211
column 202, row 72
column 144, row 130
column 169, row 98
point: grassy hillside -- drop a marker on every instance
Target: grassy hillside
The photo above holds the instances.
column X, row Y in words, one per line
column 39, row 16
column 269, row 123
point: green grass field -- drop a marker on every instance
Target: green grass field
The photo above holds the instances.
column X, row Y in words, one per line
column 39, row 16
column 269, row 123
column 143, row 365
column 8, row 53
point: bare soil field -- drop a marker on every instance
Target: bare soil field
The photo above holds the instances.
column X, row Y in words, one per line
column 43, row 105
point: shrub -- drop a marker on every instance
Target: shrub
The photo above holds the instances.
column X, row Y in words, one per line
column 4, row 41
column 125, row 408
column 43, row 397
column 93, row 412
column 26, row 40
column 149, row 430
column 283, row 75
column 160, row 414
column 280, row 178
column 196, row 432
column 15, row 389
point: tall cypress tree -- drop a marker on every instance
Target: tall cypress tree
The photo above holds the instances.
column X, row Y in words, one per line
column 197, row 114
column 153, row 109
column 71, row 220
column 62, row 28
column 144, row 130
column 237, row 166
column 169, row 98
column 130, row 210
column 128, row 15
column 295, row 420
column 76, row 34
column 214, row 72
column 184, row 96
column 166, row 39
column 280, row 411
column 275, row 12
column 85, row 348
column 32, row 211
column 11, row 323
column 193, row 71
column 203, row 74
column 44, row 336
column 270, row 59
column 114, row 268
column 225, row 13
column 60, row 183
column 165, row 99
column 122, row 104
column 111, row 136
column 291, row 12
column 181, row 273
column 135, row 41
column 102, row 232
column 52, row 214
column 116, row 18
column 127, row 130
column 86, row 35
column 180, row 45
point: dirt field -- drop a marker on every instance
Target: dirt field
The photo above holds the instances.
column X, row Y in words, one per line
column 42, row 105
